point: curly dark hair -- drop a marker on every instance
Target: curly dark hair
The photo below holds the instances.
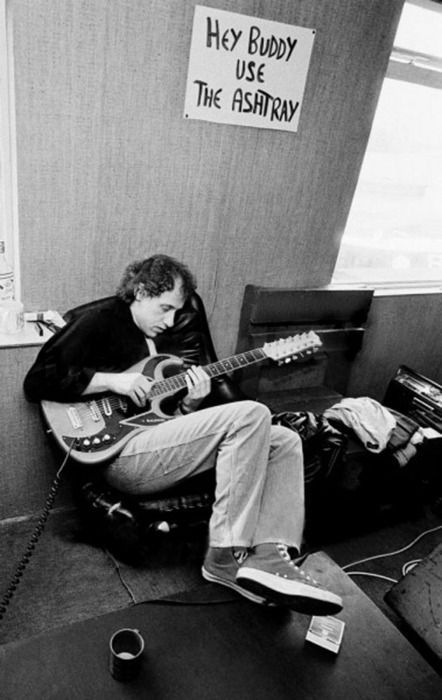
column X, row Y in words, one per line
column 155, row 275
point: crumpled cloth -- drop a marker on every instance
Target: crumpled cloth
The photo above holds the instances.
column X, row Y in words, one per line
column 371, row 422
column 405, row 439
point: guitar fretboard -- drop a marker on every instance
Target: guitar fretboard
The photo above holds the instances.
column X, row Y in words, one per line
column 216, row 369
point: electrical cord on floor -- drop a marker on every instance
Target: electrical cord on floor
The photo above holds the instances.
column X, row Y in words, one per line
column 165, row 600
column 120, row 576
column 410, row 565
column 406, row 567
column 30, row 547
column 369, row 573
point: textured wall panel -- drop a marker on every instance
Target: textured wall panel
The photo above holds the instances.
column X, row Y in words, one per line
column 27, row 462
column 109, row 170
column 402, row 330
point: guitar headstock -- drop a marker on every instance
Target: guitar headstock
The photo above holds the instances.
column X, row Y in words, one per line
column 294, row 347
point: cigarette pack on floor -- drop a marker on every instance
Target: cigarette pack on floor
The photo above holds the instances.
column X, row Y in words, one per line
column 327, row 632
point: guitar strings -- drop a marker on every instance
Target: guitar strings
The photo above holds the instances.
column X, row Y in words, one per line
column 177, row 381
column 170, row 385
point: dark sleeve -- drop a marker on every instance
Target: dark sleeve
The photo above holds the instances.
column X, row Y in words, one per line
column 67, row 362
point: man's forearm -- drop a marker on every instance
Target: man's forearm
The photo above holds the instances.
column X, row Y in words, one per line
column 101, row 381
column 132, row 384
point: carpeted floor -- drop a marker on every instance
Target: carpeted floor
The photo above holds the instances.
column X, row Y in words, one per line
column 401, row 544
column 68, row 580
column 389, row 538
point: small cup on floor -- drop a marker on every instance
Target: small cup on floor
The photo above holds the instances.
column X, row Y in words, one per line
column 126, row 654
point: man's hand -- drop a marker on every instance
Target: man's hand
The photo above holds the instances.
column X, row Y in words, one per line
column 132, row 384
column 198, row 387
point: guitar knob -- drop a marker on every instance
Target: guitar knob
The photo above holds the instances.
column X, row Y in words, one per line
column 86, row 442
column 96, row 441
column 106, row 437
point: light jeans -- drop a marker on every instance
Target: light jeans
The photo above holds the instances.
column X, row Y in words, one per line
column 259, row 494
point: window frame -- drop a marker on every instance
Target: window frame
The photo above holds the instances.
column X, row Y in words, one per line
column 9, row 230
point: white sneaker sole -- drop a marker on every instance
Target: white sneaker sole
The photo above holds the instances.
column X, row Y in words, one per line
column 234, row 586
column 296, row 595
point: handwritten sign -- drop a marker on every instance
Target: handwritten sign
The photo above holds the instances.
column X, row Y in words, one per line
column 248, row 71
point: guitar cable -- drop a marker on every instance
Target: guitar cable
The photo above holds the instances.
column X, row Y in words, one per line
column 30, row 547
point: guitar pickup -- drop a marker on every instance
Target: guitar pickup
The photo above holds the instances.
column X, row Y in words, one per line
column 74, row 417
column 95, row 411
column 107, row 408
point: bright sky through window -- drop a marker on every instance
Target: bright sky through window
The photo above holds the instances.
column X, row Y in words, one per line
column 394, row 229
column 420, row 30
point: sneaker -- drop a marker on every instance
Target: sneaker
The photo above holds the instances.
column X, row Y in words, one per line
column 269, row 571
column 221, row 565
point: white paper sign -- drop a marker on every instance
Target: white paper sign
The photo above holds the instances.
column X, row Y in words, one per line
column 248, row 71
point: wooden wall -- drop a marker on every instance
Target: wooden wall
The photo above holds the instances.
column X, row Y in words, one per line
column 403, row 329
column 109, row 171
column 28, row 463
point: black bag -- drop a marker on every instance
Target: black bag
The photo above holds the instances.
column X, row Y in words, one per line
column 323, row 445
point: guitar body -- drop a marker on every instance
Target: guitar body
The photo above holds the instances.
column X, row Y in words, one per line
column 102, row 425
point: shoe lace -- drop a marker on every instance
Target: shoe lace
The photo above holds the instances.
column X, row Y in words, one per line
column 240, row 555
column 284, row 553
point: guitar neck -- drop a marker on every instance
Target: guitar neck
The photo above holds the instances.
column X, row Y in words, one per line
column 215, row 369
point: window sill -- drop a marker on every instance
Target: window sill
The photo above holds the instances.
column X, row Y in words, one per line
column 30, row 335
column 389, row 290
column 407, row 290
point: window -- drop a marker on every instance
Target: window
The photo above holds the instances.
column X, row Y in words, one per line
column 394, row 230
column 8, row 187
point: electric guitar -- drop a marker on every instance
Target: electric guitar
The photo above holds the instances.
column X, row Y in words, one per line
column 96, row 430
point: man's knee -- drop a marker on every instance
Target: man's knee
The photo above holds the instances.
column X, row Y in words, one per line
column 286, row 438
column 255, row 411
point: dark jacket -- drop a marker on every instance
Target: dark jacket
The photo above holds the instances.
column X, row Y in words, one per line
column 103, row 338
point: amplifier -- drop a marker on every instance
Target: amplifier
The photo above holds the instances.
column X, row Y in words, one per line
column 416, row 396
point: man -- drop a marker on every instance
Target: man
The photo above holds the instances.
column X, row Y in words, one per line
column 258, row 511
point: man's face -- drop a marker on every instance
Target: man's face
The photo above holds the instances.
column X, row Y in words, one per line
column 153, row 315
